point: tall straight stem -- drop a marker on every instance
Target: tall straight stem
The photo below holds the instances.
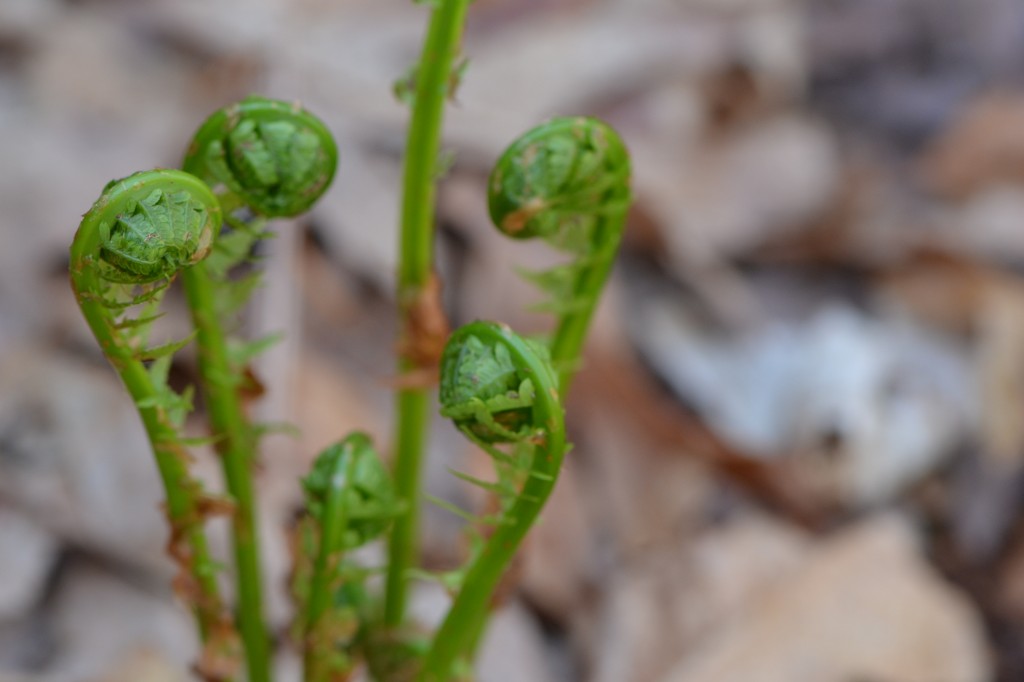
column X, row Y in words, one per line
column 415, row 273
column 236, row 445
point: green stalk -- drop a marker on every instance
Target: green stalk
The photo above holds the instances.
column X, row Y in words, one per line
column 403, row 544
column 463, row 627
column 236, row 446
column 180, row 488
column 571, row 332
column 277, row 159
column 464, row 624
column 321, row 595
column 185, row 502
column 415, row 270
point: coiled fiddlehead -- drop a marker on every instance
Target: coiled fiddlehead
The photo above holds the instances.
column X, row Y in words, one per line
column 350, row 501
column 502, row 392
column 567, row 182
column 485, row 393
column 152, row 236
column 139, row 234
column 275, row 156
column 276, row 159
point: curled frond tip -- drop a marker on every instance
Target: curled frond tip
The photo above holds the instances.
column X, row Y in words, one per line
column 561, row 171
column 148, row 226
column 276, row 156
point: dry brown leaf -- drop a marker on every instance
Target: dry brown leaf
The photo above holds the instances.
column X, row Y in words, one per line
column 865, row 606
column 984, row 146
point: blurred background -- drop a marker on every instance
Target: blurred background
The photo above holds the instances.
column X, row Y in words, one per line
column 800, row 427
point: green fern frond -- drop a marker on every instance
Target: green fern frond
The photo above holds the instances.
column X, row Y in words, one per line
column 163, row 350
column 240, row 353
column 234, row 294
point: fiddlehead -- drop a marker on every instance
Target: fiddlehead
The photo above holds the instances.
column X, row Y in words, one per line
column 275, row 156
column 348, row 482
column 483, row 391
column 275, row 159
column 144, row 228
column 153, row 236
column 567, row 182
column 138, row 235
column 350, row 501
column 502, row 393
column 265, row 159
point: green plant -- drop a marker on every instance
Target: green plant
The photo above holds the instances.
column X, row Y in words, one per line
column 271, row 159
column 500, row 390
column 350, row 501
column 140, row 233
column 423, row 324
column 566, row 181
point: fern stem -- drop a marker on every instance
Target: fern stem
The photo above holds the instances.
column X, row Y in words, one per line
column 236, row 446
column 196, row 583
column 403, row 546
column 463, row 626
column 415, row 270
column 277, row 159
column 571, row 332
column 321, row 596
column 180, row 489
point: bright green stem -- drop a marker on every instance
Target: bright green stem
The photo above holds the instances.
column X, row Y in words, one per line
column 413, row 413
column 415, row 269
column 184, row 497
column 180, row 488
column 332, row 527
column 236, row 446
column 571, row 332
column 463, row 626
column 278, row 159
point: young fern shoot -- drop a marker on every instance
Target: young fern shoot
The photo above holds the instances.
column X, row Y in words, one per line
column 567, row 182
column 274, row 159
column 140, row 233
column 501, row 391
column 273, row 156
column 349, row 502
